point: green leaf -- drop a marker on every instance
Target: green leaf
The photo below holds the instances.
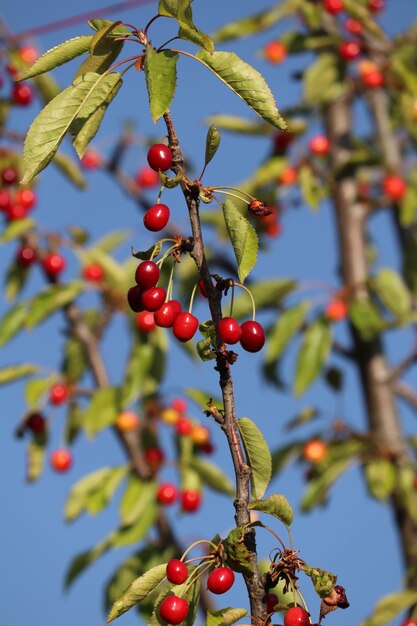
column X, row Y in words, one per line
column 138, row 496
column 276, row 505
column 224, row 617
column 12, row 322
column 258, row 456
column 212, row 476
column 81, row 561
column 246, row 82
column 101, row 34
column 390, row 606
column 286, row 326
column 381, row 478
column 266, row 293
column 47, row 131
column 241, row 125
column 237, row 552
column 17, row 229
column 313, row 353
column 134, row 533
column 182, row 12
column 138, row 591
column 73, row 362
column 366, row 318
column 15, row 279
column 170, row 182
column 393, row 292
column 322, row 80
column 35, row 389
column 284, row 455
column 70, row 169
column 35, row 458
column 323, row 581
column 117, row 31
column 51, row 299
column 213, row 139
column 243, row 237
column 145, row 255
column 408, row 207
column 99, row 61
column 10, row 373
column 93, row 492
column 102, row 411
column 58, row 55
column 312, row 188
column 161, row 80
column 205, row 350
column 317, row 488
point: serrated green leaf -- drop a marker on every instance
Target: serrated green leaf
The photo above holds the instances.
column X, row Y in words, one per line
column 390, row 606
column 85, row 493
column 101, row 34
column 212, row 476
column 213, row 139
column 237, row 552
column 12, row 322
column 196, row 36
column 246, row 82
column 381, row 478
column 47, row 131
column 312, row 188
column 286, row 326
column 276, row 505
column 258, row 456
column 16, row 229
column 266, row 294
column 10, row 373
column 51, row 299
column 70, row 169
column 138, row 591
column 313, row 353
column 119, row 31
column 224, row 617
column 35, row 389
column 161, row 80
column 138, row 496
column 133, row 534
column 105, row 53
column 58, row 55
column 243, row 237
column 366, row 318
column 47, row 87
column 322, row 80
column 323, row 581
column 182, row 12
column 393, row 292
column 102, row 411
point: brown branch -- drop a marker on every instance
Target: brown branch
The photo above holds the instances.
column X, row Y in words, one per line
column 405, row 392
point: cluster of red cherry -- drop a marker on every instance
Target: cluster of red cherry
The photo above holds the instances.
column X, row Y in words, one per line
column 15, row 201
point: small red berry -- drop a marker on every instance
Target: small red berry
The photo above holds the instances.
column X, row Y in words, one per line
column 167, row 494
column 159, row 157
column 26, row 198
column 61, row 460
column 315, row 450
column 36, row 423
column 275, row 52
column 373, row 79
column 53, row 263
column 173, row 609
column 288, row 176
column 282, row 140
column 156, row 217
column 9, row 175
column 229, row 330
column 5, row 200
column 93, row 272
column 154, row 298
column 376, row 5
column 178, row 404
column 253, row 336
column 92, row 159
column 183, row 426
column 22, row 94
column 16, row 212
column 354, row 27
column 147, row 274
column 336, row 310
column 333, row 6
column 296, row 616
column 134, row 298
column 25, row 256
column 146, row 177
column 58, row 394
column 319, row 145
column 207, row 448
column 394, row 187
column 145, row 322
column 349, row 50
column 177, row 571
column 165, row 316
column 220, row 580
column 271, row 601
column 185, row 326
column 154, row 457
column 28, row 54
column 190, row 500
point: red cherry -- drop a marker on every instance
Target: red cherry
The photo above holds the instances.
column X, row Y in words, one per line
column 355, row 27
column 173, row 609
column 349, row 50
column 183, row 426
column 220, row 580
column 288, row 176
column 178, row 404
column 58, row 394
column 185, row 326
column 282, row 140
column 153, row 299
column 229, row 330
column 16, row 212
column 146, row 177
column 271, row 601
column 159, row 157
column 376, row 5
column 134, row 298
column 177, row 571
column 253, row 336
column 147, row 274
column 156, row 218
column 93, row 272
column 373, row 79
column 9, row 175
column 36, row 423
column 22, row 94
column 394, row 187
column 336, row 310
column 319, row 145
column 92, row 159
column 167, row 494
column 207, row 448
column 145, row 322
column 333, row 6
column 5, row 200
column 61, row 460
column 25, row 256
column 409, row 622
column 166, row 315
column 154, row 457
column 296, row 616
column 190, row 500
column 275, row 52
column 53, row 263
column 26, row 198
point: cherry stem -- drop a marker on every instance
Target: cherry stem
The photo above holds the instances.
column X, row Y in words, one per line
column 167, row 253
column 275, row 535
column 113, row 67
column 155, row 17
column 158, row 200
column 190, row 308
column 196, row 543
column 170, row 283
column 251, row 297
column 221, row 187
column 196, row 574
column 166, row 43
column 232, row 195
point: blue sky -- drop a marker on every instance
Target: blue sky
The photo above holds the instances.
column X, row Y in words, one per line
column 352, row 536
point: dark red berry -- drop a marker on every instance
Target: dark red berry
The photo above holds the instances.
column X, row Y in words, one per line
column 156, row 218
column 271, row 601
column 376, row 5
column 349, row 50
column 183, row 426
column 177, row 571
column 5, row 200
column 253, row 336
column 296, row 616
column 58, row 394
column 22, row 94
column 36, row 423
column 229, row 330
column 9, row 175
column 53, row 263
column 25, row 256
column 190, row 500
column 159, row 157
column 134, row 298
column 220, row 580
column 146, row 177
column 147, row 274
column 165, row 316
column 167, row 494
column 145, row 322
column 154, row 298
column 16, row 212
column 185, row 326
column 154, row 457
column 282, row 140
column 173, row 609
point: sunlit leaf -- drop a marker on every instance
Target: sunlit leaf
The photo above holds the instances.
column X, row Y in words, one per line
column 12, row 322
column 138, row 591
column 258, row 456
column 390, row 606
column 138, row 496
column 313, row 353
column 381, row 477
column 58, row 55
column 243, row 237
column 51, row 299
column 161, row 80
column 224, row 617
column 16, row 229
column 276, row 505
column 212, row 143
column 101, row 411
column 393, row 292
column 212, row 476
column 99, row 484
column 10, row 373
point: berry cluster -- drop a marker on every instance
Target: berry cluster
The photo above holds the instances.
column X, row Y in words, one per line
column 159, row 159
column 16, row 201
